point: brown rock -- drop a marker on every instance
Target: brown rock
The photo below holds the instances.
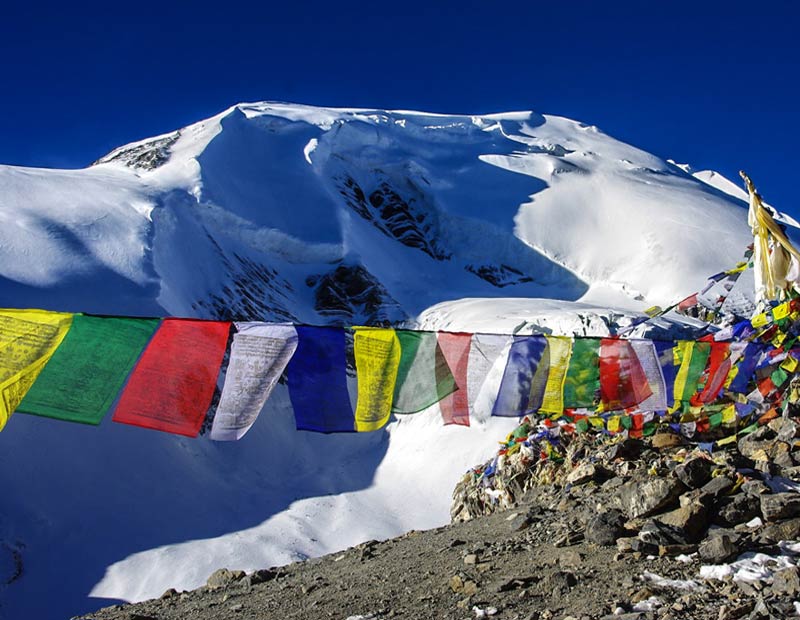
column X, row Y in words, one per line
column 666, row 440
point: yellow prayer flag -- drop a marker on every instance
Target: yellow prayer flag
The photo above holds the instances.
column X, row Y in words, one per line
column 729, row 414
column 560, row 349
column 781, row 311
column 377, row 353
column 613, row 424
column 789, row 364
column 727, row 440
column 682, row 356
column 760, row 320
column 28, row 339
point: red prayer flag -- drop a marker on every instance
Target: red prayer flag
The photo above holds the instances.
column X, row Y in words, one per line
column 719, row 365
column 623, row 382
column 172, row 385
column 455, row 348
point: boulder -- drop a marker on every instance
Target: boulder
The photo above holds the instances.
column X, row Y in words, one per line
column 740, row 508
column 641, row 499
column 718, row 549
column 604, row 529
column 691, row 519
column 694, row 473
column 778, row 506
column 223, row 577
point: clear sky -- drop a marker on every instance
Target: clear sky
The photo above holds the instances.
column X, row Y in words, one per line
column 714, row 84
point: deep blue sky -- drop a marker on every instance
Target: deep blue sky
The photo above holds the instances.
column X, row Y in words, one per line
column 714, row 84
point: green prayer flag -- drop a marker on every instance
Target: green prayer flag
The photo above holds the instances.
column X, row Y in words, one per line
column 582, row 385
column 85, row 374
column 423, row 376
column 700, row 353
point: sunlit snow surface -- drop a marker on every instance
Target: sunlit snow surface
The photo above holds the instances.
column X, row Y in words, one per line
column 248, row 211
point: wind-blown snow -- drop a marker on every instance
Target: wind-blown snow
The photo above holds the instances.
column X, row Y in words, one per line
column 278, row 211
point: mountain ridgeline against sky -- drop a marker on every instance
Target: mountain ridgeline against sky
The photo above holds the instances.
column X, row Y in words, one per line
column 287, row 212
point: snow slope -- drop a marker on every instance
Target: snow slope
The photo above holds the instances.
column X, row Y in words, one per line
column 278, row 211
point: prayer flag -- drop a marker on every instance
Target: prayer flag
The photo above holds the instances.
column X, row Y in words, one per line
column 259, row 355
column 666, row 359
column 85, row 374
column 485, row 371
column 623, row 382
column 514, row 397
column 172, row 385
column 692, row 357
column 582, row 383
column 423, row 376
column 559, row 349
column 28, row 338
column 647, row 356
column 455, row 348
column 377, row 353
column 745, row 368
column 317, row 378
column 719, row 365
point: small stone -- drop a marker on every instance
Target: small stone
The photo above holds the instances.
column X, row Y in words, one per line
column 456, row 583
column 786, row 582
column 236, row 607
column 675, row 550
column 736, row 610
column 780, row 506
column 470, row 588
column 570, row 559
column 169, row 593
column 718, row 549
column 625, row 544
column 470, row 558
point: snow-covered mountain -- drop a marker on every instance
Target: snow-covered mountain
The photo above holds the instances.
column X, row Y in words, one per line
column 288, row 212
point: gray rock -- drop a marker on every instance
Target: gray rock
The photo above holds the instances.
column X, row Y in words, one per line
column 784, row 428
column 717, row 486
column 639, row 499
column 786, row 582
column 755, row 487
column 604, row 529
column 694, row 473
column 718, row 549
column 758, row 440
column 741, row 508
column 784, row 530
column 780, row 506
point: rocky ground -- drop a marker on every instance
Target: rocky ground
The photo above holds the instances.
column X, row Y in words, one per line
column 623, row 528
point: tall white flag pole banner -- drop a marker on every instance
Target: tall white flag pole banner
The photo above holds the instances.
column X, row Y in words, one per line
column 776, row 262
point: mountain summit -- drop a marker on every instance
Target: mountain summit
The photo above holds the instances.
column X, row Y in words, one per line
column 287, row 212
